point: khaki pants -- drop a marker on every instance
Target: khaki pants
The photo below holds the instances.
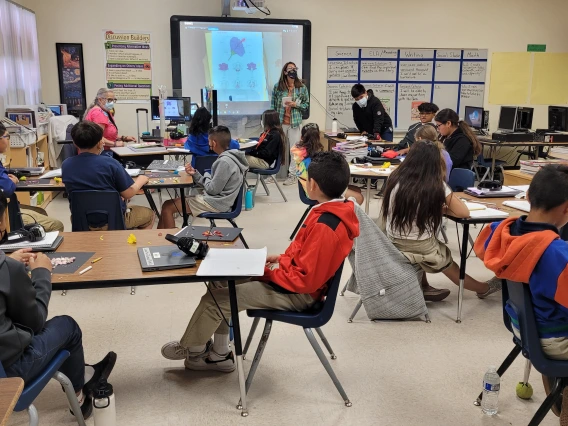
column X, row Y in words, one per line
column 47, row 222
column 257, row 163
column 207, row 320
column 139, row 217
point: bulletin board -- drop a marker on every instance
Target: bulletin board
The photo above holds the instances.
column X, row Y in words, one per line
column 404, row 78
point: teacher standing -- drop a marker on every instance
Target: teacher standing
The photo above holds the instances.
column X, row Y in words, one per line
column 100, row 112
column 290, row 110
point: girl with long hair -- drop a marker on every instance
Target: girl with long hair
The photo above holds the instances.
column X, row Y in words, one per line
column 290, row 110
column 458, row 139
column 427, row 132
column 303, row 152
column 416, row 199
column 270, row 144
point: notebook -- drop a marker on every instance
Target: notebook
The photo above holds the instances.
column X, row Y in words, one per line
column 519, row 205
column 488, row 213
column 161, row 258
column 505, row 191
column 51, row 241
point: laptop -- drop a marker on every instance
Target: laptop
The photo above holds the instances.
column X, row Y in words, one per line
column 162, row 258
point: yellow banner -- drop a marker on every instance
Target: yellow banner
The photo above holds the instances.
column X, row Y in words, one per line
column 550, row 79
column 510, row 78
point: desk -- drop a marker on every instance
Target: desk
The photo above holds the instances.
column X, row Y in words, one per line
column 516, row 177
column 465, row 240
column 10, row 391
column 112, row 245
column 333, row 140
column 558, row 156
column 125, row 151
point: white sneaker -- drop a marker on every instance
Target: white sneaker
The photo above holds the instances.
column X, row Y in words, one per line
column 176, row 352
column 226, row 364
column 291, row 180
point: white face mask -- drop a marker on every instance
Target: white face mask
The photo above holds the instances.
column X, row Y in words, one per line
column 362, row 102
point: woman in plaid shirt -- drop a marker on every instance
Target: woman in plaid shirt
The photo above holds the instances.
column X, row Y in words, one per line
column 290, row 111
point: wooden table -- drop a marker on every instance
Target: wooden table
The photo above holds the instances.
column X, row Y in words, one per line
column 333, row 140
column 558, row 156
column 516, row 177
column 125, row 151
column 10, row 391
column 120, row 267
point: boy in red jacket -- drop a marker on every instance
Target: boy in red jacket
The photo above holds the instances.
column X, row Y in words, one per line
column 292, row 281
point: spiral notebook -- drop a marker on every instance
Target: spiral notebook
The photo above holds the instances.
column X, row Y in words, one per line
column 51, row 241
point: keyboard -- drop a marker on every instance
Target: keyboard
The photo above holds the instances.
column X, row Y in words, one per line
column 165, row 165
column 350, row 130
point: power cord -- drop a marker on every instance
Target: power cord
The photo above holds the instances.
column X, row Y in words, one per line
column 267, row 13
column 326, row 111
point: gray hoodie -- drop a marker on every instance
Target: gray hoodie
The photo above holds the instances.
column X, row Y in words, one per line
column 23, row 306
column 225, row 181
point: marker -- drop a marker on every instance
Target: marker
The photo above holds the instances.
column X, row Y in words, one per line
column 85, row 270
column 96, row 260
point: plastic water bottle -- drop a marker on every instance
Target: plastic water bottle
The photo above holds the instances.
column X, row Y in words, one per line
column 104, row 406
column 491, row 385
column 334, row 126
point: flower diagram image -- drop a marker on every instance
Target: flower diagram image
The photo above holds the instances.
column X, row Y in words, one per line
column 237, row 47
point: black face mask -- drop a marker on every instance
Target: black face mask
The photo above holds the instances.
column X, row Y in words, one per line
column 292, row 74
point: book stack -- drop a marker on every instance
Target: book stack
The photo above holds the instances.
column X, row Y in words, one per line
column 559, row 150
column 530, row 167
column 352, row 149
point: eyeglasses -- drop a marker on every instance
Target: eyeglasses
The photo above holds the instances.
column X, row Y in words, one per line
column 111, row 99
column 5, row 136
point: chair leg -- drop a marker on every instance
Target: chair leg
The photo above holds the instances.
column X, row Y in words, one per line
column 487, row 170
column 342, row 292
column 280, row 189
column 326, row 365
column 300, row 222
column 64, row 292
column 71, row 397
column 212, row 223
column 250, row 336
column 555, row 393
column 34, row 417
column 257, row 356
column 502, row 368
column 444, row 235
column 357, row 307
column 255, row 187
column 132, row 290
column 232, row 222
column 325, row 343
column 264, row 185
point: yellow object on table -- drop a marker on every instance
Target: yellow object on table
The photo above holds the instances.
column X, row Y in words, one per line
column 131, row 239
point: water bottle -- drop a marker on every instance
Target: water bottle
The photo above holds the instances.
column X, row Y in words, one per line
column 104, row 408
column 491, row 384
column 249, row 202
column 334, row 126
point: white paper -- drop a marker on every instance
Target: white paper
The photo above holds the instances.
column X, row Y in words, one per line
column 286, row 99
column 523, row 188
column 488, row 213
column 49, row 239
column 51, row 174
column 233, row 263
column 180, row 150
column 524, row 206
column 133, row 172
column 357, row 138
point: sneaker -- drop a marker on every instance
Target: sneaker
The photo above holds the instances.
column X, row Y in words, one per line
column 176, row 352
column 86, row 408
column 291, row 180
column 432, row 294
column 102, row 371
column 226, row 364
column 494, row 286
column 379, row 194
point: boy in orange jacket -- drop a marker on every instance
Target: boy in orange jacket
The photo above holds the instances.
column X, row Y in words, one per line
column 292, row 281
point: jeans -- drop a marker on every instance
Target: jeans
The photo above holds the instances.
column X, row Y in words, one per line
column 58, row 333
column 293, row 134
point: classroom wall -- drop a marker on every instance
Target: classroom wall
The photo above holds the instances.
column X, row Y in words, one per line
column 503, row 25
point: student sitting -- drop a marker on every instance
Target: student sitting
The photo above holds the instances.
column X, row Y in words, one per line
column 416, row 197
column 28, row 342
column 426, row 113
column 458, row 139
column 370, row 115
column 198, row 139
column 428, row 132
column 270, row 143
column 8, row 185
column 292, row 281
column 89, row 171
column 220, row 189
column 303, row 152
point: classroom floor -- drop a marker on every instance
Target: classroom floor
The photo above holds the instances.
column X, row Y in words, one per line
column 395, row 373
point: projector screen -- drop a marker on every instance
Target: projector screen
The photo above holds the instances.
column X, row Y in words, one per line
column 241, row 58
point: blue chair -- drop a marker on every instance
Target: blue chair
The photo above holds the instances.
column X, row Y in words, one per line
column 310, row 203
column 316, row 317
column 230, row 215
column 85, row 203
column 486, row 164
column 519, row 298
column 203, row 162
column 33, row 388
column 461, row 179
column 273, row 171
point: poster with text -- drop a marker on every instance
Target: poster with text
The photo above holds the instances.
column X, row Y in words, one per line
column 128, row 65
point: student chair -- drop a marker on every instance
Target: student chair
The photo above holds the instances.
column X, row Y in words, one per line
column 316, row 318
column 230, row 215
column 203, row 162
column 272, row 171
column 14, row 214
column 85, row 203
column 519, row 297
column 310, row 203
column 460, row 179
column 486, row 164
column 33, row 388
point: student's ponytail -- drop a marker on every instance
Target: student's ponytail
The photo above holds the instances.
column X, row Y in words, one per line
column 477, row 148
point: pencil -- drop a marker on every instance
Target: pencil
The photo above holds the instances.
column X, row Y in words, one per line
column 88, row 268
column 96, row 260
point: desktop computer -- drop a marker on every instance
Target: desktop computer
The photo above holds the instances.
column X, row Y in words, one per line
column 511, row 120
column 524, row 119
column 507, row 119
column 176, row 110
column 474, row 117
column 558, row 119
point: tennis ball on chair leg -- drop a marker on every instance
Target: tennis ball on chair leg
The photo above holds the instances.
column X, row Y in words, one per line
column 524, row 390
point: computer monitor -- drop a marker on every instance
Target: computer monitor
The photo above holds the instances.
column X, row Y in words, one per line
column 474, row 117
column 524, row 118
column 558, row 118
column 507, row 119
column 175, row 109
column 155, row 107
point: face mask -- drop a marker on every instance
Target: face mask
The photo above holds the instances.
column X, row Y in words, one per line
column 109, row 105
column 362, row 102
column 292, row 74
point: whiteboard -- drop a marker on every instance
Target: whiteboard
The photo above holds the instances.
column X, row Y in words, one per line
column 404, row 78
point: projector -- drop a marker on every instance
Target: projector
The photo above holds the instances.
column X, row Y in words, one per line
column 248, row 6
